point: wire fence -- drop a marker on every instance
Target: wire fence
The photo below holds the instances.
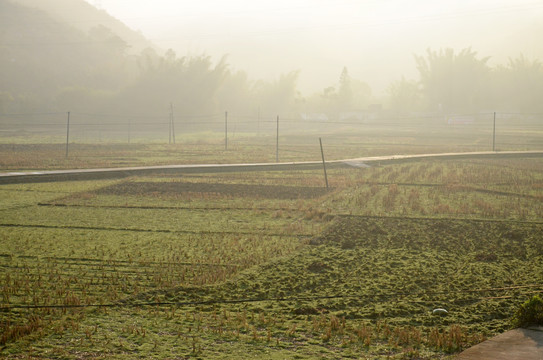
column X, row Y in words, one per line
column 479, row 131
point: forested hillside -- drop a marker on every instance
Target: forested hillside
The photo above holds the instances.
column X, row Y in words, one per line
column 52, row 59
column 42, row 59
column 84, row 17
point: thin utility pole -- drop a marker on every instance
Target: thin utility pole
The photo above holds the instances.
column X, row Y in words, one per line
column 324, row 164
column 494, row 134
column 129, row 128
column 277, row 142
column 226, row 130
column 67, row 134
column 172, row 123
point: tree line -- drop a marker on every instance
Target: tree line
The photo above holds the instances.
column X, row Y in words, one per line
column 463, row 82
column 46, row 65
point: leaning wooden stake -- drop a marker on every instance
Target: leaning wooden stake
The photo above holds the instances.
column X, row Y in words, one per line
column 324, row 164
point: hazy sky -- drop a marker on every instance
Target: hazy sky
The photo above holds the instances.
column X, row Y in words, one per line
column 374, row 39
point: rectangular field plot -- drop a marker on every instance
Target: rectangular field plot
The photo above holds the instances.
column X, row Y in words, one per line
column 174, row 189
column 497, row 189
column 159, row 220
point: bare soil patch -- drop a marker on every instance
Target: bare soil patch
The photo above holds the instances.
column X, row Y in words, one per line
column 230, row 190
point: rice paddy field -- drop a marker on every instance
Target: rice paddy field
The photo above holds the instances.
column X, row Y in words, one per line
column 267, row 264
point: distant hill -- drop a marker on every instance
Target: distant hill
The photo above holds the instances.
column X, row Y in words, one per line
column 66, row 55
column 84, row 17
column 43, row 53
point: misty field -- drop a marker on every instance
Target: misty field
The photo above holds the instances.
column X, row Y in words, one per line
column 31, row 147
column 208, row 247
column 271, row 264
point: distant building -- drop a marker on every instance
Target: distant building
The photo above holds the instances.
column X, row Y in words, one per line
column 314, row 116
column 373, row 108
column 460, row 120
column 358, row 116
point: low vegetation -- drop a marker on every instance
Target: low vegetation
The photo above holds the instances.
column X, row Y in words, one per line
column 529, row 313
column 271, row 264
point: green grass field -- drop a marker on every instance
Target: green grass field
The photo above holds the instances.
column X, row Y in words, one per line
column 270, row 264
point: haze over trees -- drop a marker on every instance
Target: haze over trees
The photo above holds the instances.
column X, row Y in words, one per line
column 463, row 82
column 49, row 63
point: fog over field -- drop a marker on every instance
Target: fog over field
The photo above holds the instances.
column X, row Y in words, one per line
column 256, row 58
column 375, row 40
column 303, row 179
